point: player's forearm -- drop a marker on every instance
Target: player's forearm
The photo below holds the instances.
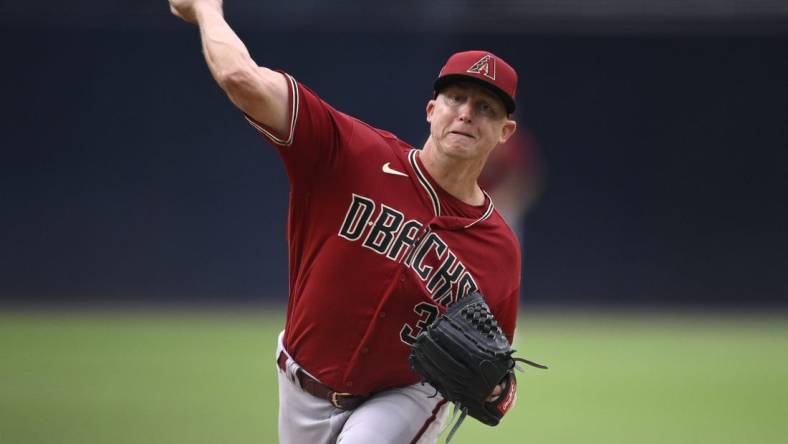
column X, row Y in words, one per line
column 225, row 53
column 257, row 91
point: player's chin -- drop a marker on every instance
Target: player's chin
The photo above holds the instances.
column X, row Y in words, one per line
column 462, row 150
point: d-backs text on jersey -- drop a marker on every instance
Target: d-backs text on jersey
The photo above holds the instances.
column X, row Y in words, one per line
column 388, row 233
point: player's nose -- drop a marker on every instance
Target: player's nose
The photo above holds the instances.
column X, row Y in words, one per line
column 465, row 111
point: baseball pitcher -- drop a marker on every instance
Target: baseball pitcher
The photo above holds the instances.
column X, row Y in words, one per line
column 383, row 239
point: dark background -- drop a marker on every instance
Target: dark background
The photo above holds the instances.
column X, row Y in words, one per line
column 127, row 176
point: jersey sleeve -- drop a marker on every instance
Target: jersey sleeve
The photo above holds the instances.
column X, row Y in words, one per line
column 315, row 135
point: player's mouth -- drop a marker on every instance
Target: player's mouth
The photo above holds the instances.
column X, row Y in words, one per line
column 460, row 133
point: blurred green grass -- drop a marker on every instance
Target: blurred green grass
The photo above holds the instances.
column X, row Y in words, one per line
column 196, row 377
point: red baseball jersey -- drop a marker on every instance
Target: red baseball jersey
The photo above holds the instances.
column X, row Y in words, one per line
column 377, row 249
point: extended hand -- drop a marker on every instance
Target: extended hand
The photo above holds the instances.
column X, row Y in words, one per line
column 496, row 393
column 187, row 9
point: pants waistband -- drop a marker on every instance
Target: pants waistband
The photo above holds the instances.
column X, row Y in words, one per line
column 342, row 401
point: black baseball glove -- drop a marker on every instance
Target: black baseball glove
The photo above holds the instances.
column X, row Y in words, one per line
column 465, row 355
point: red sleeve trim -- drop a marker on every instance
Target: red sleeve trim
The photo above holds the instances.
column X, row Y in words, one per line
column 292, row 100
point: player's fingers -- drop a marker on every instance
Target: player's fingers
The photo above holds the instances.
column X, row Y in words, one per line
column 496, row 393
column 174, row 11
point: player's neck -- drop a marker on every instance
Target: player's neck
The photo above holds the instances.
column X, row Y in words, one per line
column 456, row 176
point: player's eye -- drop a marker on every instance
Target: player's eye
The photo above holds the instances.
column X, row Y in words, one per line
column 486, row 109
column 455, row 99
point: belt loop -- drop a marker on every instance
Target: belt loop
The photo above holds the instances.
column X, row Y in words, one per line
column 292, row 372
column 289, row 367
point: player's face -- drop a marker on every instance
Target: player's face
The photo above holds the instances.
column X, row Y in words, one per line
column 467, row 121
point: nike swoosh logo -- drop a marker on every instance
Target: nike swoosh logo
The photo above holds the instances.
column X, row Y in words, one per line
column 388, row 170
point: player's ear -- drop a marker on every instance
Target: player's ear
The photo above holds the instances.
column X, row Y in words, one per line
column 507, row 130
column 430, row 109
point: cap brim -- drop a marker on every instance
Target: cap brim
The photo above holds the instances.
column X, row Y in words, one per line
column 446, row 80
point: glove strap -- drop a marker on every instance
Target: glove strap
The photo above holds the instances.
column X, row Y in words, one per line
column 456, row 424
column 531, row 363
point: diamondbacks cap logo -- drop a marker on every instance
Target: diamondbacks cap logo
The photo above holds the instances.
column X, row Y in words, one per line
column 484, row 66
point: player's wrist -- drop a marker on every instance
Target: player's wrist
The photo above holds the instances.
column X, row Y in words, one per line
column 205, row 11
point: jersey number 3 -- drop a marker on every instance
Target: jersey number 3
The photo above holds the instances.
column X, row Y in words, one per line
column 427, row 314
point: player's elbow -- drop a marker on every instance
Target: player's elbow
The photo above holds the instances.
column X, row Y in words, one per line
column 236, row 80
column 243, row 88
column 258, row 92
column 250, row 89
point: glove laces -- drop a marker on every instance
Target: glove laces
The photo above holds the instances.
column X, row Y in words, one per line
column 459, row 421
column 531, row 363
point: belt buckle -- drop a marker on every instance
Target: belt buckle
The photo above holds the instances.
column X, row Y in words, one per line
column 335, row 401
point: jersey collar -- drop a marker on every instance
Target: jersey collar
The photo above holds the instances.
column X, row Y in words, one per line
column 425, row 183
